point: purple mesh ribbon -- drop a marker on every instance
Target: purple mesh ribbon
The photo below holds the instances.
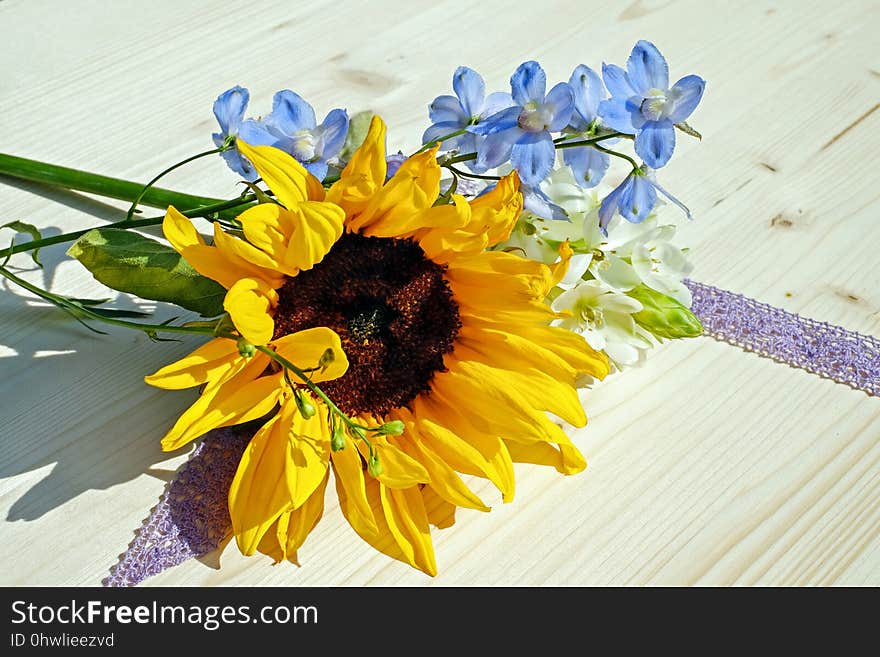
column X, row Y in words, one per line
column 818, row 347
column 192, row 518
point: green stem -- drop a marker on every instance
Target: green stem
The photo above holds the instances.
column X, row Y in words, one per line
column 206, row 210
column 302, row 376
column 149, row 185
column 634, row 164
column 439, row 140
column 467, row 174
column 587, row 142
column 93, row 183
column 82, row 310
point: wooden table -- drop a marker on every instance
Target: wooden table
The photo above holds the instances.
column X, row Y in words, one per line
column 707, row 466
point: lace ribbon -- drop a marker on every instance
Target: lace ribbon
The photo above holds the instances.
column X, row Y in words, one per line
column 192, row 519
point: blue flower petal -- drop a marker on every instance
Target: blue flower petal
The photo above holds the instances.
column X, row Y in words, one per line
column 637, row 200
column 447, row 109
column 439, row 130
column 495, row 102
column 616, row 114
column 256, row 133
column 503, row 120
column 229, row 109
column 318, row 168
column 529, row 82
column 290, row 113
column 333, row 130
column 561, row 99
column 685, row 95
column 494, row 149
column 532, row 156
column 655, row 143
column 588, row 90
column 470, row 89
column 617, row 81
column 238, row 163
column 611, row 202
column 538, row 203
column 647, row 68
column 588, row 165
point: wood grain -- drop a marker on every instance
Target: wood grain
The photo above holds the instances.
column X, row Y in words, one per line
column 708, row 465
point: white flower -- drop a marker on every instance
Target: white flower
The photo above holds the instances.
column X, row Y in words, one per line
column 604, row 318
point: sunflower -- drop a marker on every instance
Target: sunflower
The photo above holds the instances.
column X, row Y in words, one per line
column 434, row 355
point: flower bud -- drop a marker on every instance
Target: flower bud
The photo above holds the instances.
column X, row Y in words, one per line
column 664, row 316
column 374, row 467
column 245, row 348
column 337, row 441
column 393, row 428
column 306, row 408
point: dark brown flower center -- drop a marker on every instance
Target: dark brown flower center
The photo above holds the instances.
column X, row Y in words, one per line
column 393, row 310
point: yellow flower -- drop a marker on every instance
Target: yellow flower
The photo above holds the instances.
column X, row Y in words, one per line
column 447, row 339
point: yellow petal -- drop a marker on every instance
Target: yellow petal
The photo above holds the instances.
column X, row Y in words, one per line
column 407, row 522
column 351, row 489
column 526, row 387
column 496, row 211
column 207, row 260
column 258, row 493
column 561, row 267
column 295, row 526
column 248, row 303
column 364, row 173
column 317, row 227
column 393, row 209
column 441, row 513
column 398, row 469
column 233, row 248
column 207, row 363
column 309, row 450
column 280, row 171
column 567, row 459
column 238, row 400
column 305, row 349
column 455, row 441
column 443, row 479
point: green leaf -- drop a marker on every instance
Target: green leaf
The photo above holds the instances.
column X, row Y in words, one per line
column 358, row 126
column 664, row 316
column 138, row 265
column 30, row 229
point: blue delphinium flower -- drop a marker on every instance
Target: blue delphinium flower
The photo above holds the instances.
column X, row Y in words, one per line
column 642, row 104
column 588, row 164
column 634, row 198
column 469, row 106
column 292, row 127
column 522, row 133
column 229, row 108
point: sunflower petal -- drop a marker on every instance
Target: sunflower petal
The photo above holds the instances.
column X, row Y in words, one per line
column 399, row 470
column 207, row 363
column 265, row 266
column 364, row 173
column 441, row 513
column 309, row 451
column 408, row 523
column 351, row 490
column 280, row 171
column 240, row 399
column 206, row 260
column 317, row 227
column 302, row 520
column 567, row 459
column 393, row 209
column 496, row 212
column 248, row 303
column 307, row 349
column 258, row 494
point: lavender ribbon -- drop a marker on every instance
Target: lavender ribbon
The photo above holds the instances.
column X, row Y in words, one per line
column 192, row 518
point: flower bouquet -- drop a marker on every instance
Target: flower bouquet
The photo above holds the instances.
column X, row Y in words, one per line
column 406, row 322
